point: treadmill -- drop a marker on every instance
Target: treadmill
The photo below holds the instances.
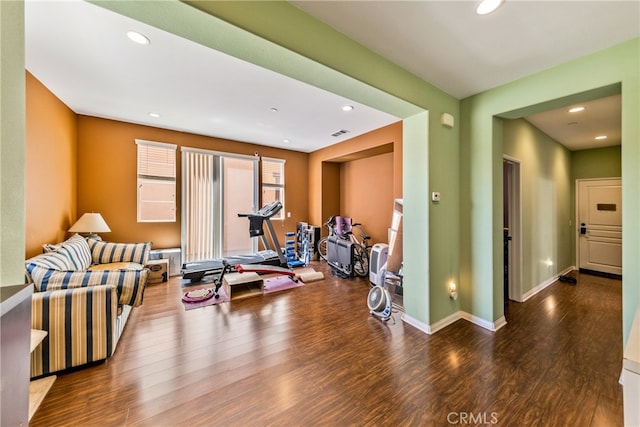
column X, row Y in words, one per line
column 196, row 271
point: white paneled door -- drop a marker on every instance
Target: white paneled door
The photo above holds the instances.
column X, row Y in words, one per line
column 600, row 225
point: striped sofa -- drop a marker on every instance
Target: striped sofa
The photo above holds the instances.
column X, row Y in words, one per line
column 84, row 291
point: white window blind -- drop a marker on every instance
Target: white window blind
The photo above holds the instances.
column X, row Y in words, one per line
column 198, row 218
column 273, row 183
column 156, row 181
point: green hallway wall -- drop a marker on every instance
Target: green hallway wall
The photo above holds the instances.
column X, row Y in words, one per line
column 603, row 162
column 12, row 143
column 482, row 145
column 548, row 174
column 546, row 193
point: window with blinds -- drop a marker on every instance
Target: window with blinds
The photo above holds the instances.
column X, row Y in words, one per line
column 273, row 183
column 156, row 181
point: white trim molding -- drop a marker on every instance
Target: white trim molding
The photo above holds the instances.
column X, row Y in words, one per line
column 546, row 283
column 443, row 323
column 416, row 324
column 452, row 318
column 491, row 326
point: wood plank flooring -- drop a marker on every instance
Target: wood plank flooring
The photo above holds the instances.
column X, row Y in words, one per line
column 313, row 356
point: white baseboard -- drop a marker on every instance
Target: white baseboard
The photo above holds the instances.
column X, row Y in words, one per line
column 546, row 283
column 492, row 326
column 499, row 323
column 443, row 323
column 416, row 323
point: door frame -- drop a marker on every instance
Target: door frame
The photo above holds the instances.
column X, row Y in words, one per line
column 515, row 227
column 577, row 213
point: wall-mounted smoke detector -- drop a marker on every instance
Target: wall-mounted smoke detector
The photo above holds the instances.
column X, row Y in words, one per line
column 339, row 133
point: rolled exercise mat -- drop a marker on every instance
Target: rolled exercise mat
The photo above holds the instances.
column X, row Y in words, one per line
column 311, row 276
column 303, row 270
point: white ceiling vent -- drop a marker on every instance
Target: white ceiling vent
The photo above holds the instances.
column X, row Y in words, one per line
column 339, row 133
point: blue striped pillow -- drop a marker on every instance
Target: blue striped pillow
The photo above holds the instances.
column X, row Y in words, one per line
column 52, row 261
column 71, row 255
column 107, row 252
column 77, row 250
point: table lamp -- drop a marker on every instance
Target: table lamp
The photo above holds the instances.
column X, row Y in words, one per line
column 90, row 223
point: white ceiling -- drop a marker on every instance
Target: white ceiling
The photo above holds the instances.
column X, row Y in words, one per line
column 447, row 44
column 80, row 52
column 578, row 130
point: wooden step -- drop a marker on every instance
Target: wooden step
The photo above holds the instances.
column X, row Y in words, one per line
column 38, row 389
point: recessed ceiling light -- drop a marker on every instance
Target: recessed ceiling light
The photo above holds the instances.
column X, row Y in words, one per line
column 576, row 109
column 488, row 6
column 286, row 141
column 273, row 110
column 137, row 37
column 156, row 115
column 601, row 137
column 347, row 107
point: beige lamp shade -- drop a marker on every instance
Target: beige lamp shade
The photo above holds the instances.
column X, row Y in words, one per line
column 91, row 223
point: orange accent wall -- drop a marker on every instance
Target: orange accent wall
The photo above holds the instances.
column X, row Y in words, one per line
column 78, row 164
column 360, row 178
column 50, row 167
column 367, row 194
column 107, row 177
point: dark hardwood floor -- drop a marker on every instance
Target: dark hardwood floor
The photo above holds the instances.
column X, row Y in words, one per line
column 313, row 356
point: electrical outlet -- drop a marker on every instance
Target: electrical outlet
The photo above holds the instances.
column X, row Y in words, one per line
column 435, row 196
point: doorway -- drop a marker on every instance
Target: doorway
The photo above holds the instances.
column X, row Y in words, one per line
column 512, row 232
column 599, row 219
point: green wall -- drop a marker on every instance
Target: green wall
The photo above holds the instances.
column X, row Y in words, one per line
column 415, row 221
column 481, row 167
column 548, row 174
column 546, row 193
column 12, row 145
column 597, row 163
